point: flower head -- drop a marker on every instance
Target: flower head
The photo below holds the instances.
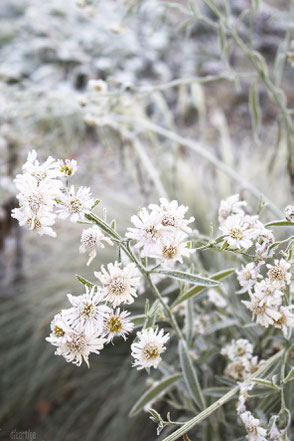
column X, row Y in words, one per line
column 67, row 167
column 172, row 214
column 229, row 206
column 91, row 239
column 88, row 312
column 75, row 204
column 237, row 232
column 118, row 283
column 117, row 324
column 147, row 350
column 279, row 274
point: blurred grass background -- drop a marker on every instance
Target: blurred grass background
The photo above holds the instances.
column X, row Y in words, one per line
column 48, row 52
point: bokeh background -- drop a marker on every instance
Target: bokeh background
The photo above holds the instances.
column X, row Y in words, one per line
column 49, row 50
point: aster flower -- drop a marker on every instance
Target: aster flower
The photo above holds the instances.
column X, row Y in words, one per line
column 88, row 312
column 75, row 204
column 264, row 240
column 286, row 320
column 229, row 206
column 172, row 214
column 91, row 239
column 254, row 430
column 147, row 350
column 118, row 283
column 117, row 324
column 289, row 213
column 36, row 195
column 67, row 167
column 40, row 172
column 237, row 233
column 60, row 328
column 98, row 86
column 172, row 249
column 79, row 345
column 278, row 274
column 148, row 231
column 238, row 350
column 40, row 222
column 247, row 276
column 265, row 312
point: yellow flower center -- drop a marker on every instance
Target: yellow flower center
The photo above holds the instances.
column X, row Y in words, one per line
column 114, row 325
column 151, row 351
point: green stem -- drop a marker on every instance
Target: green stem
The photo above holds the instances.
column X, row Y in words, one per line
column 224, row 399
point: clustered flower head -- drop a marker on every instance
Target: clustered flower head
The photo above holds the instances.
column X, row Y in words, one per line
column 266, row 293
column 44, row 194
column 242, row 362
column 161, row 231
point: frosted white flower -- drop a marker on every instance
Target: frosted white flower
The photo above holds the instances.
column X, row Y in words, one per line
column 36, row 195
column 117, row 324
column 247, row 276
column 91, row 239
column 238, row 350
column 216, row 298
column 172, row 249
column 148, row 231
column 60, row 328
column 237, row 233
column 118, row 283
column 75, row 204
column 265, row 239
column 40, row 172
column 88, row 312
column 264, row 312
column 279, row 274
column 98, row 86
column 40, row 222
column 172, row 214
column 79, row 345
column 268, row 291
column 254, row 431
column 286, row 320
column 147, row 350
column 67, row 167
column 289, row 213
column 229, row 206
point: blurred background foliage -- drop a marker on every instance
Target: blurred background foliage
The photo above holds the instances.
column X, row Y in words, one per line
column 48, row 53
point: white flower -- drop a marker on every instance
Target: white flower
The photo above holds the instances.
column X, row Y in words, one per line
column 268, row 291
column 91, row 239
column 238, row 350
column 265, row 239
column 264, row 312
column 215, row 298
column 87, row 313
column 172, row 214
column 252, row 425
column 148, row 231
column 78, row 346
column 229, row 206
column 172, row 249
column 118, row 284
column 60, row 328
column 75, row 204
column 286, row 319
column 117, row 324
column 146, row 351
column 67, row 167
column 40, row 222
column 289, row 213
column 40, row 172
column 97, row 86
column 279, row 274
column 36, row 195
column 237, row 233
column 247, row 276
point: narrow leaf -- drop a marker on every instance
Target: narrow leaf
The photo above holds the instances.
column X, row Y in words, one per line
column 266, row 383
column 154, row 392
column 85, row 281
column 290, row 376
column 187, row 277
column 277, row 223
column 198, row 289
column 190, row 376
